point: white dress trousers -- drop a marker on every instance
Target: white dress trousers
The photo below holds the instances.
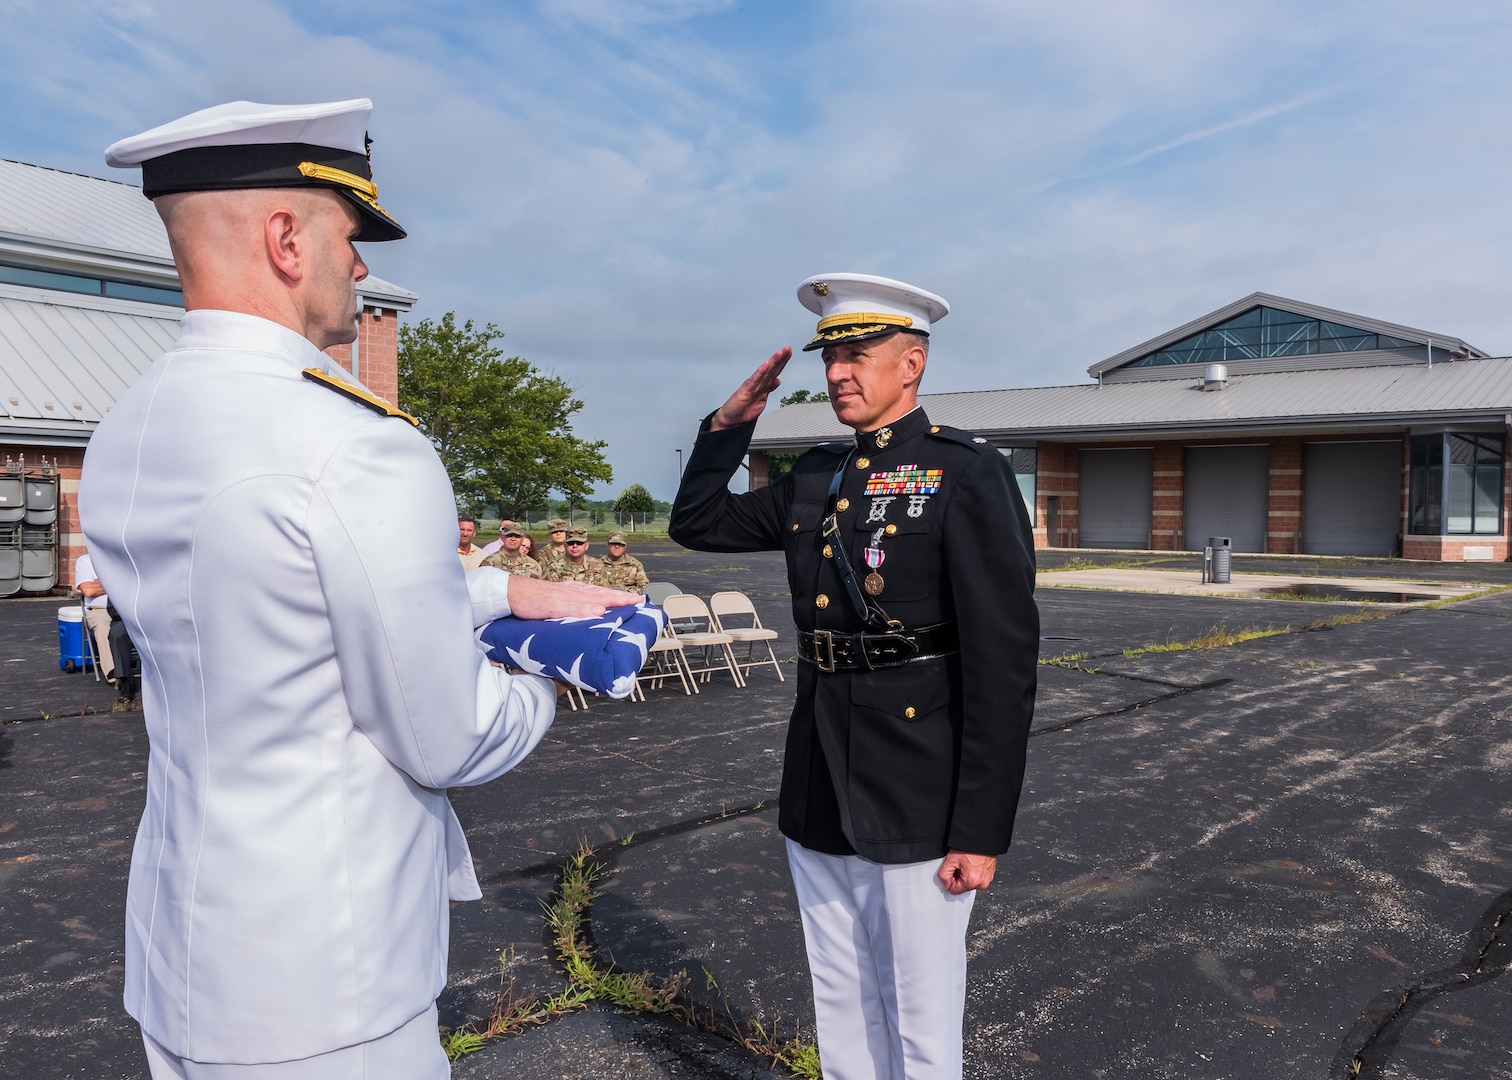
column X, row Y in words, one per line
column 284, row 560
column 887, row 953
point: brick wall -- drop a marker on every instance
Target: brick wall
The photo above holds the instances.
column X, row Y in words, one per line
column 1284, row 516
column 759, row 476
column 1168, row 502
column 1056, row 475
column 377, row 352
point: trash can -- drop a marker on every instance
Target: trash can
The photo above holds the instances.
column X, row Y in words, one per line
column 1217, row 558
column 71, row 638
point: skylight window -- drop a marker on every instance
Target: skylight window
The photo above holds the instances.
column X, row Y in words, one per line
column 1264, row 332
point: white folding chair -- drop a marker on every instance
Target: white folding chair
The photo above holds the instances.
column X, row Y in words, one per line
column 737, row 605
column 686, row 609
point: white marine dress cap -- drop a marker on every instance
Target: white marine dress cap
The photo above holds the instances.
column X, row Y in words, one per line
column 244, row 144
column 856, row 307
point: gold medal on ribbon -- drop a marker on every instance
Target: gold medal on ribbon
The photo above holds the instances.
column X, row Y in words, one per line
column 873, row 584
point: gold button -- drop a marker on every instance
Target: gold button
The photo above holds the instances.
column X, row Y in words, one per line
column 795, row 526
column 821, row 601
column 829, row 552
column 891, row 529
column 842, row 506
column 863, row 463
column 909, row 712
column 934, row 429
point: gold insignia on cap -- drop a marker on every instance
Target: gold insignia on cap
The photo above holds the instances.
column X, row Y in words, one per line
column 863, row 463
column 842, row 506
column 365, row 190
column 821, row 288
column 821, row 601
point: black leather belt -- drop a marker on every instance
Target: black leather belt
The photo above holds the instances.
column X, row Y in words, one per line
column 829, row 650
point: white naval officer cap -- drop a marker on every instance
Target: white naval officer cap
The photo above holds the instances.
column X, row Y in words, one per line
column 243, row 144
column 855, row 307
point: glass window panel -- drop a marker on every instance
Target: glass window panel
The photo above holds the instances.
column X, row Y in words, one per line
column 1490, row 449
column 1487, row 499
column 1385, row 342
column 1462, row 449
column 1253, row 317
column 44, row 279
column 148, row 293
column 1459, row 516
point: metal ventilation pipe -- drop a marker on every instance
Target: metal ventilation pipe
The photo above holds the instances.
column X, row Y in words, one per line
column 1214, row 377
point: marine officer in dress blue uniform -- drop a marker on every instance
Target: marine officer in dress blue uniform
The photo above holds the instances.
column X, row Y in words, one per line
column 278, row 542
column 906, row 749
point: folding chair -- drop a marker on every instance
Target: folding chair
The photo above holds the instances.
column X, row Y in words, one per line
column 658, row 591
column 574, row 695
column 666, row 650
column 689, row 609
column 726, row 605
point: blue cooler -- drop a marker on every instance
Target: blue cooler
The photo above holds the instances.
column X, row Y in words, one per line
column 71, row 638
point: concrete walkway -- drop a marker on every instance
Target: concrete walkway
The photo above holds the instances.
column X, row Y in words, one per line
column 1277, row 586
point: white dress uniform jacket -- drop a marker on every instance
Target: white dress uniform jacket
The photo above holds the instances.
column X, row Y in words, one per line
column 283, row 559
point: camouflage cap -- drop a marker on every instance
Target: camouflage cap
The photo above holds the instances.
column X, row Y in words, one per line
column 577, row 534
column 511, row 530
column 617, row 537
column 556, row 525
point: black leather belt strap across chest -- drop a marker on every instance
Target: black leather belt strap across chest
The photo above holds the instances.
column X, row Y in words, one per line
column 830, row 651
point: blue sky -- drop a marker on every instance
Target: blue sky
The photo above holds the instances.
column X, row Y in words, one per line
column 632, row 190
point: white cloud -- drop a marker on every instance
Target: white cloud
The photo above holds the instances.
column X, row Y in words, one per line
column 633, row 190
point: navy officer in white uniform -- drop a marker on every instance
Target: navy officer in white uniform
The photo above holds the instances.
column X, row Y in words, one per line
column 278, row 542
column 911, row 565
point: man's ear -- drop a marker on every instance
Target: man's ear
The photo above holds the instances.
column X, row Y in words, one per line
column 914, row 359
column 282, row 241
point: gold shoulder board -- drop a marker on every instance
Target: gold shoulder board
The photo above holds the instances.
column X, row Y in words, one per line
column 357, row 394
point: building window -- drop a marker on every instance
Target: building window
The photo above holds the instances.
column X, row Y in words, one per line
column 1456, row 484
column 1024, row 462
column 1262, row 332
column 90, row 286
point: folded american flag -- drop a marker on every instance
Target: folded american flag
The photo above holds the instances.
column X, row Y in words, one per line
column 601, row 655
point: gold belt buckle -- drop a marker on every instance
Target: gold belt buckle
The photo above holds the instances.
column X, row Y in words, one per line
column 824, row 645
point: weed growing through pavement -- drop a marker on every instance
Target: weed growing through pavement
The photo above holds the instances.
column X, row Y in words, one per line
column 1220, row 636
column 589, row 978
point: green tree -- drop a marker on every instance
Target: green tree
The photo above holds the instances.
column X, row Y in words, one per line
column 502, row 427
column 799, row 397
column 635, row 501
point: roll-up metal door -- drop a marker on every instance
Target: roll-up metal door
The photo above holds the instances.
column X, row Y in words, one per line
column 1351, row 498
column 1116, row 489
column 1227, row 494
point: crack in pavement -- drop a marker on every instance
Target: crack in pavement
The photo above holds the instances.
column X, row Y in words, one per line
column 1181, row 692
column 1368, row 1047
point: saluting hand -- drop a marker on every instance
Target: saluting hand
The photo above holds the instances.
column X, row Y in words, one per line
column 962, row 872
column 746, row 403
column 532, row 598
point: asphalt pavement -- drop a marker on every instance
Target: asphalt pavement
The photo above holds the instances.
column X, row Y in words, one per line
column 1287, row 857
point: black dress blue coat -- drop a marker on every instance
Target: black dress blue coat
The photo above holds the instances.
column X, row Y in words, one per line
column 898, row 764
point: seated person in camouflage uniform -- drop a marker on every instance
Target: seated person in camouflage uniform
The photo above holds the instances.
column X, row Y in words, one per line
column 621, row 571
column 511, row 556
column 577, row 564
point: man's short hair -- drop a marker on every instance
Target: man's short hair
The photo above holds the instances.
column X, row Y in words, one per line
column 471, row 521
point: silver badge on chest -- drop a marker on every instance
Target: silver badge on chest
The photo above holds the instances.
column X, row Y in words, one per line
column 916, row 505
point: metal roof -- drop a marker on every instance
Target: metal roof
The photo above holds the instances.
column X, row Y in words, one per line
column 1297, row 307
column 50, row 218
column 1464, row 391
column 68, row 358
